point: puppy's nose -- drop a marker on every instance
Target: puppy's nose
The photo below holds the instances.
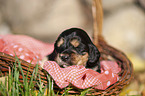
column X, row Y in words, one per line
column 64, row 57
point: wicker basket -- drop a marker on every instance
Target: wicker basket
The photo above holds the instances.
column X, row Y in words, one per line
column 107, row 53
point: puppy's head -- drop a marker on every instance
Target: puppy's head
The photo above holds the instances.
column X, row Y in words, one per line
column 74, row 47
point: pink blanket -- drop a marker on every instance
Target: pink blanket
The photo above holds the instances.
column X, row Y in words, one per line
column 32, row 50
column 83, row 78
column 26, row 48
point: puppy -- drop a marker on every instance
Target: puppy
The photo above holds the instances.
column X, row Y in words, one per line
column 74, row 47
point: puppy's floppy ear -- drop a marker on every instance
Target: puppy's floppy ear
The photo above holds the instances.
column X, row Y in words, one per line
column 94, row 56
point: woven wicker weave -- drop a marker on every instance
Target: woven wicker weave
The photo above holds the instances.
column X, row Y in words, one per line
column 107, row 53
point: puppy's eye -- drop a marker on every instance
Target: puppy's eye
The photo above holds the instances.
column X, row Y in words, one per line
column 60, row 42
column 75, row 42
column 84, row 53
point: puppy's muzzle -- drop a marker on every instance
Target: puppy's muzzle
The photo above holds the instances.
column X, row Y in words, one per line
column 64, row 57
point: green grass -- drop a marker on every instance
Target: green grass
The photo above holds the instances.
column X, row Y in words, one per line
column 13, row 87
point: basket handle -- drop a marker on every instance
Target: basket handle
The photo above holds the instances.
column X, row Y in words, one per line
column 97, row 12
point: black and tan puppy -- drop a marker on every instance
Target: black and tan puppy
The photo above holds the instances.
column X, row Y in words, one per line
column 74, row 47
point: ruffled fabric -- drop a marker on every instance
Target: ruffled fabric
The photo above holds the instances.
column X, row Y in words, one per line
column 83, row 78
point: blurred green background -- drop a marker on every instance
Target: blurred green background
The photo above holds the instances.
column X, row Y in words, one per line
column 123, row 26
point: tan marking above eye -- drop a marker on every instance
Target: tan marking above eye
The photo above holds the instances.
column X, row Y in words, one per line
column 60, row 42
column 75, row 42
